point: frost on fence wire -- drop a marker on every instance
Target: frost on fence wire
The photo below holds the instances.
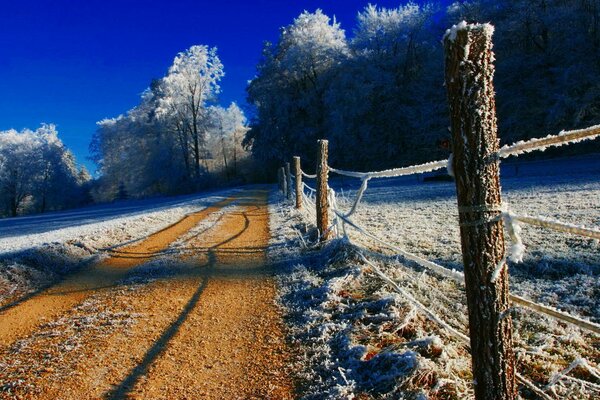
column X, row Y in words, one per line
column 459, row 277
column 396, row 172
column 308, row 175
column 553, row 224
column 541, row 144
column 512, row 219
column 515, row 149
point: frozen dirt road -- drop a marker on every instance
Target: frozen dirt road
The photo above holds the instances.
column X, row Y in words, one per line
column 201, row 323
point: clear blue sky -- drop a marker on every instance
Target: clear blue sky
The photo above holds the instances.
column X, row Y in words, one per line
column 73, row 63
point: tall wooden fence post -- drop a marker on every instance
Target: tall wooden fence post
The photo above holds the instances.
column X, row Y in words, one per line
column 298, row 173
column 469, row 81
column 288, row 180
column 322, row 200
column 284, row 187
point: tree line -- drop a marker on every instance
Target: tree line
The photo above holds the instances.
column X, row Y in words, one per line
column 377, row 95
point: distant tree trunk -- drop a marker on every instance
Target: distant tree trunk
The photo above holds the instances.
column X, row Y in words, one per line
column 235, row 152
column 183, row 142
column 44, row 190
column 14, row 206
column 196, row 146
column 43, row 204
column 224, row 154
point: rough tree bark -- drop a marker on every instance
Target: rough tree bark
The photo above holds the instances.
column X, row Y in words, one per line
column 322, row 200
column 298, row 172
column 469, row 81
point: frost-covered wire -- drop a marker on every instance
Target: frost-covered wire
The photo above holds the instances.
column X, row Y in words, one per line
column 392, row 173
column 304, row 185
column 455, row 275
column 563, row 374
column 532, row 387
column 358, row 197
column 304, row 174
column 556, row 225
column 556, row 314
column 541, row 144
column 459, row 277
column 430, row 314
column 520, row 147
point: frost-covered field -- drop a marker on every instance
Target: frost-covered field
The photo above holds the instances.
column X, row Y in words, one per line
column 558, row 269
column 362, row 338
column 37, row 250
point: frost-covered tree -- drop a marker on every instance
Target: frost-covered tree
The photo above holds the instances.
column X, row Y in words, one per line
column 547, row 63
column 175, row 139
column 379, row 98
column 288, row 91
column 190, row 85
column 387, row 99
column 138, row 151
column 37, row 172
column 224, row 138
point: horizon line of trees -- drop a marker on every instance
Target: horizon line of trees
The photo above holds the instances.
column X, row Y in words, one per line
column 378, row 96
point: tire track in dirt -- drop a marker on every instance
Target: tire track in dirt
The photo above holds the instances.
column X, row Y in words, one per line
column 209, row 331
column 231, row 343
column 22, row 318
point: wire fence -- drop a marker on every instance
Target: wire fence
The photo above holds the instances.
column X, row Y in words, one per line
column 484, row 221
column 342, row 221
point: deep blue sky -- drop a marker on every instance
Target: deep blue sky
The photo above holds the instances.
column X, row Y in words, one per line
column 73, row 63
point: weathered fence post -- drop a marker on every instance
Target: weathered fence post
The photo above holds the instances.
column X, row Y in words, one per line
column 469, row 81
column 298, row 173
column 288, row 180
column 279, row 185
column 322, row 200
column 284, row 188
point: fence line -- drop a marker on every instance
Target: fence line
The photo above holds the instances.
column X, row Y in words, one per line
column 459, row 277
column 340, row 220
column 470, row 92
column 396, row 172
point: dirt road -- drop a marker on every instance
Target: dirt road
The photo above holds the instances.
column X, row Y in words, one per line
column 200, row 324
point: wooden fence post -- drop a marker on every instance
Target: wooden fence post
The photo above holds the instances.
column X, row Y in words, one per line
column 279, row 185
column 288, row 180
column 322, row 200
column 469, row 81
column 298, row 172
column 284, row 188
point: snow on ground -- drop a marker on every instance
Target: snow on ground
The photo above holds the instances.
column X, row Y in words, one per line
column 344, row 317
column 45, row 247
column 25, row 232
column 558, row 269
